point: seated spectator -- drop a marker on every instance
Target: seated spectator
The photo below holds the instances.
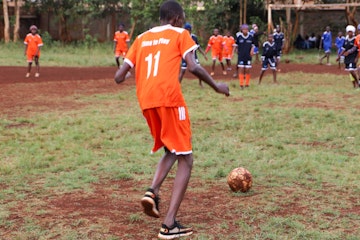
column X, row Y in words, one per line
column 299, row 42
column 312, row 40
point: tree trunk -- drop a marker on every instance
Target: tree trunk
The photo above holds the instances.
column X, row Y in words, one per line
column 245, row 7
column 241, row 12
column 6, row 22
column 17, row 21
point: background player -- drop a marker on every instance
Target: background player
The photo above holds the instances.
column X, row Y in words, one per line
column 229, row 43
column 245, row 50
column 350, row 51
column 325, row 43
column 216, row 44
column 339, row 42
column 121, row 43
column 156, row 56
column 183, row 62
column 33, row 42
column 269, row 57
column 279, row 40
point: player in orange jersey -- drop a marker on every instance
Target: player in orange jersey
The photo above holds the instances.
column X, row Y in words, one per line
column 121, row 43
column 33, row 43
column 357, row 44
column 216, row 43
column 156, row 55
column 229, row 43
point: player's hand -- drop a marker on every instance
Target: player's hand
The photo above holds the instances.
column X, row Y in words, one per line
column 223, row 88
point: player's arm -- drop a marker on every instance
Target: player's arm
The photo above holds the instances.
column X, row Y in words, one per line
column 202, row 74
column 122, row 73
column 114, row 47
column 26, row 47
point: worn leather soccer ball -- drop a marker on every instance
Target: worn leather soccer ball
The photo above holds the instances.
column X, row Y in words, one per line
column 239, row 179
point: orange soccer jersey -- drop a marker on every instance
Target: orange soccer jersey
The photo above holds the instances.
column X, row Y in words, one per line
column 33, row 42
column 157, row 55
column 229, row 43
column 357, row 43
column 216, row 43
column 121, row 39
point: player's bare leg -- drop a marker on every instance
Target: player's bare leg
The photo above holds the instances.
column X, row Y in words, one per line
column 28, row 69
column 223, row 68
column 162, row 170
column 213, row 68
column 117, row 61
column 181, row 181
column 182, row 73
column 261, row 76
column 274, row 76
column 37, row 74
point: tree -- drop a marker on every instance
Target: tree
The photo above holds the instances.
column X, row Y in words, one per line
column 17, row 19
column 6, row 22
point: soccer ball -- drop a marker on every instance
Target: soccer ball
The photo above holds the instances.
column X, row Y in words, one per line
column 239, row 179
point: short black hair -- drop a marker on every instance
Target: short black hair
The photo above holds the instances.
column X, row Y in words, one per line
column 170, row 10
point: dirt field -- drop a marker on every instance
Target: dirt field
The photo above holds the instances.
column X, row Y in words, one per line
column 22, row 96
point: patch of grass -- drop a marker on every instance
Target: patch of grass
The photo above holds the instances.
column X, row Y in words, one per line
column 299, row 140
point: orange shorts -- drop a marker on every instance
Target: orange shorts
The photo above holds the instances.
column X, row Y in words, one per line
column 217, row 55
column 227, row 55
column 30, row 56
column 120, row 53
column 170, row 128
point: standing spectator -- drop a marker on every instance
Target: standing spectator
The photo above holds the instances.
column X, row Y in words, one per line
column 339, row 42
column 350, row 51
column 256, row 34
column 188, row 27
column 326, row 43
column 156, row 55
column 312, row 40
column 229, row 43
column 245, row 50
column 33, row 42
column 216, row 44
column 121, row 43
column 279, row 40
column 269, row 57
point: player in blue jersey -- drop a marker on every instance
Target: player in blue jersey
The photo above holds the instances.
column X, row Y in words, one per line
column 188, row 27
column 245, row 50
column 325, row 43
column 339, row 42
column 269, row 57
column 279, row 40
column 350, row 51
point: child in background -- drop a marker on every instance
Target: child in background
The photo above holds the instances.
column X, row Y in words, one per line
column 216, row 43
column 188, row 27
column 229, row 43
column 269, row 57
column 350, row 51
column 325, row 43
column 245, row 49
column 121, row 43
column 33, row 42
column 339, row 42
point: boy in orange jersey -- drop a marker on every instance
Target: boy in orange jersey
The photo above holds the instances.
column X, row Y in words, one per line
column 216, row 43
column 121, row 42
column 33, row 42
column 229, row 43
column 156, row 55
